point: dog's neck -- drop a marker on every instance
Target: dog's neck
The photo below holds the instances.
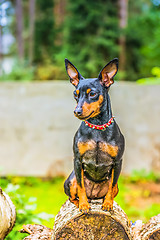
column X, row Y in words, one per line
column 105, row 114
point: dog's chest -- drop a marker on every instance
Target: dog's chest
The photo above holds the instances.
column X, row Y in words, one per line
column 97, row 158
column 97, row 151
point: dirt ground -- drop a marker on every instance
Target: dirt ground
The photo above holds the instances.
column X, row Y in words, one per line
column 145, row 193
column 141, row 200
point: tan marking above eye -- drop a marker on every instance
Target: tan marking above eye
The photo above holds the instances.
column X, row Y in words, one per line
column 86, row 146
column 88, row 90
column 110, row 149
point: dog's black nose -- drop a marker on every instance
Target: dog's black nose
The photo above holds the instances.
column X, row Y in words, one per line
column 78, row 112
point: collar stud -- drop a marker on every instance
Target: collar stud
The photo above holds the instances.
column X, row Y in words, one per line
column 100, row 127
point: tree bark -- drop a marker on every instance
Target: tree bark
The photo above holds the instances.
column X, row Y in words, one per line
column 148, row 231
column 70, row 223
column 7, row 215
column 37, row 231
column 19, row 24
column 59, row 11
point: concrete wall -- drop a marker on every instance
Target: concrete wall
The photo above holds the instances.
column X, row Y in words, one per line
column 37, row 126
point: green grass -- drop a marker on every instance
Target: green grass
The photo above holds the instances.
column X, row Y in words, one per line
column 36, row 201
column 34, row 196
column 149, row 81
column 50, row 197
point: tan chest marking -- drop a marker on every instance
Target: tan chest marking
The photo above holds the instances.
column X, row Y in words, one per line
column 110, row 149
column 86, row 146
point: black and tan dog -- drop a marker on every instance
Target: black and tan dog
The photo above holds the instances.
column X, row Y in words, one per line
column 98, row 143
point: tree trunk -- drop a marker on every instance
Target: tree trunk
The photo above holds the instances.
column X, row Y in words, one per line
column 19, row 24
column 7, row 215
column 70, row 223
column 59, row 16
column 31, row 29
column 37, row 231
column 123, row 20
column 59, row 11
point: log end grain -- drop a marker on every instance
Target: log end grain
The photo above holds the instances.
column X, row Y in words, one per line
column 97, row 224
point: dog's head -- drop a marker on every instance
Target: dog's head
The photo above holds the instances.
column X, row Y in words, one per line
column 89, row 93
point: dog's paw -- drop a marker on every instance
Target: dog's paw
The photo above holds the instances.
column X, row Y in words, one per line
column 84, row 207
column 107, row 206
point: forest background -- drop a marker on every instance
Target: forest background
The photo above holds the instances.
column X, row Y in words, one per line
column 88, row 33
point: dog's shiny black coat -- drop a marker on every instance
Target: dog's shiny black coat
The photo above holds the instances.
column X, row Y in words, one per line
column 96, row 152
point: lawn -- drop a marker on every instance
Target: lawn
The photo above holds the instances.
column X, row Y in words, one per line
column 39, row 200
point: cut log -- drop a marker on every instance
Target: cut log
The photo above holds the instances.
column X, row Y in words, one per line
column 70, row 223
column 148, row 231
column 37, row 231
column 7, row 215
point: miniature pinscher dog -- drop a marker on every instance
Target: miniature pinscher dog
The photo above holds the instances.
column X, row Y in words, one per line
column 98, row 144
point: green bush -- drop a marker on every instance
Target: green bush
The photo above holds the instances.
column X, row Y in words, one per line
column 151, row 80
column 50, row 72
column 20, row 72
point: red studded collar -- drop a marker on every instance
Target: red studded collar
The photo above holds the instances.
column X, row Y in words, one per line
column 100, row 127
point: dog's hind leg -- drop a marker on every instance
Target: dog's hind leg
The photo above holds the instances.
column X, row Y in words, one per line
column 70, row 188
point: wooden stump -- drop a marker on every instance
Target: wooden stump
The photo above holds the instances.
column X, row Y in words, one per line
column 37, row 231
column 148, row 231
column 70, row 223
column 7, row 215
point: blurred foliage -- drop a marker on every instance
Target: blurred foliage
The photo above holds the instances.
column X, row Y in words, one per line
column 152, row 80
column 44, row 31
column 20, row 72
column 90, row 34
column 143, row 175
column 156, row 71
column 143, row 43
column 150, row 49
column 49, row 71
column 39, row 200
column 87, row 33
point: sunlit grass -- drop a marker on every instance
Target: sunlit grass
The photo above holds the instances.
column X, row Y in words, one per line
column 49, row 196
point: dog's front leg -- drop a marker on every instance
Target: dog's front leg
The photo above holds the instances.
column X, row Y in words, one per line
column 108, row 200
column 112, row 188
column 83, row 201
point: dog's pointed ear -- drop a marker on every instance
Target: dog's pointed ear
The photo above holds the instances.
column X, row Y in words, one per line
column 108, row 72
column 72, row 72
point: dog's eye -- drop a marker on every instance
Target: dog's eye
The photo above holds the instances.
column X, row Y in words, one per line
column 92, row 94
